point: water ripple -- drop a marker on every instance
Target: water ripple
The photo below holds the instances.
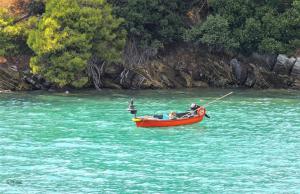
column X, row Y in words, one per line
column 85, row 143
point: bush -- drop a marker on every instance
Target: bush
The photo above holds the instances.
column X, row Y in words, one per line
column 12, row 36
column 270, row 45
column 153, row 23
column 214, row 32
column 72, row 34
column 265, row 26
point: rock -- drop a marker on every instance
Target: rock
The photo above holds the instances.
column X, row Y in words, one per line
column 5, row 91
column 265, row 61
column 51, row 90
column 239, row 73
column 296, row 84
column 39, row 86
column 47, row 84
column 236, row 68
column 200, row 84
column 283, row 65
column 109, row 83
column 14, row 68
column 39, row 78
column 23, row 86
column 188, row 79
column 113, row 71
column 137, row 81
column 9, row 80
column 126, row 78
column 296, row 69
column 30, row 81
column 275, row 80
column 37, row 82
column 26, row 72
column 251, row 78
column 256, row 73
column 166, row 81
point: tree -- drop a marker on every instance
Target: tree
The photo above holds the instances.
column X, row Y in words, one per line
column 12, row 35
column 250, row 35
column 71, row 37
column 271, row 45
column 254, row 25
column 153, row 23
column 214, row 32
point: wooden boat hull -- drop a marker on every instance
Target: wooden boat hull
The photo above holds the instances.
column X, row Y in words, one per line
column 149, row 122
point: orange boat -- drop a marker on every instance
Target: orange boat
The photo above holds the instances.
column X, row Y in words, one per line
column 155, row 122
column 194, row 115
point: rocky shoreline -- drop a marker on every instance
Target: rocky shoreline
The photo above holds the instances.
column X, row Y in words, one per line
column 187, row 67
column 179, row 67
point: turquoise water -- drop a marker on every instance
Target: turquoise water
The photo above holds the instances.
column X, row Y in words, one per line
column 84, row 142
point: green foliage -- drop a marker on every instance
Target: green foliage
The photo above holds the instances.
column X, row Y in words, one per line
column 70, row 34
column 154, row 23
column 271, row 45
column 12, row 36
column 266, row 26
column 214, row 32
column 250, row 35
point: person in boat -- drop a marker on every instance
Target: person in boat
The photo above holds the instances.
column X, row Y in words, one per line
column 192, row 112
column 172, row 115
column 194, row 108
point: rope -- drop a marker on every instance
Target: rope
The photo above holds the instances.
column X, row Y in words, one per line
column 207, row 104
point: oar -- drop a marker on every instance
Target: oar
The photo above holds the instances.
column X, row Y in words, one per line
column 207, row 104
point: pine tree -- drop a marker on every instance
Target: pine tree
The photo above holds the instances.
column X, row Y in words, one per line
column 72, row 35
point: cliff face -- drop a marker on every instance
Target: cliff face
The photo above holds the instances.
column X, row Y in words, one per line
column 190, row 67
column 178, row 67
column 12, row 72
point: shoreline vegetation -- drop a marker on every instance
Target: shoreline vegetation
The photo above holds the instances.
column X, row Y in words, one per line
column 61, row 45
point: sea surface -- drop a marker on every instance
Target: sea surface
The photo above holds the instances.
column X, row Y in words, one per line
column 85, row 142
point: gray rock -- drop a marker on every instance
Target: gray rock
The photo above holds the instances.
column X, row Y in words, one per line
column 47, row 84
column 238, row 71
column 166, row 81
column 137, row 81
column 30, row 81
column 297, row 84
column 284, row 65
column 113, row 71
column 14, row 68
column 251, row 79
column 51, row 90
column 296, row 69
column 39, row 77
column 200, row 84
column 236, row 68
column 109, row 83
column 26, row 72
column 265, row 61
column 126, row 78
